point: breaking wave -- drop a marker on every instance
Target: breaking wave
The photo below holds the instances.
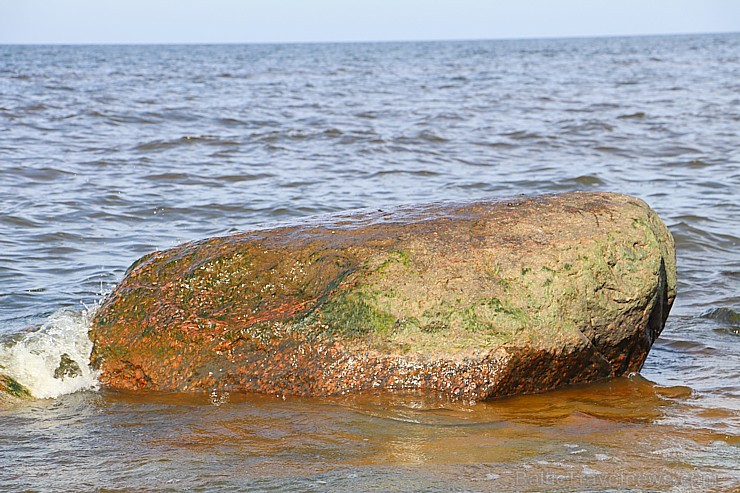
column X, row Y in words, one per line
column 53, row 360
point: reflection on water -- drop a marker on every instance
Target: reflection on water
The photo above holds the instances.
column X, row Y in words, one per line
column 619, row 435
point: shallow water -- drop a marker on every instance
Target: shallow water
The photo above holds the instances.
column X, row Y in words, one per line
column 613, row 436
column 108, row 153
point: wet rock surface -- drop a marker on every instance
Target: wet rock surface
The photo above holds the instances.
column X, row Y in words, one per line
column 473, row 300
column 67, row 368
column 11, row 391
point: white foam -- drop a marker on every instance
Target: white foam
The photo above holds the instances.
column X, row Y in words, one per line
column 34, row 359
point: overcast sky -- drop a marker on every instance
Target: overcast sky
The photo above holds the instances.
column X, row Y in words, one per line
column 235, row 21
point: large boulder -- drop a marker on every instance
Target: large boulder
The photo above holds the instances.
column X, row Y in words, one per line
column 474, row 300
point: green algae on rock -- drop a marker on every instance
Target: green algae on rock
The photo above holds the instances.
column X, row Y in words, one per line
column 11, row 391
column 474, row 300
column 67, row 368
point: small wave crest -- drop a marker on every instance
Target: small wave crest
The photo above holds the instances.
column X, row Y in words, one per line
column 723, row 315
column 53, row 360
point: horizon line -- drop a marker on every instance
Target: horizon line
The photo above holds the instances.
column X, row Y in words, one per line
column 362, row 41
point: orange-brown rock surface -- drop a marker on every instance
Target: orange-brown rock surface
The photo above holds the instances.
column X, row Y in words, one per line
column 474, row 300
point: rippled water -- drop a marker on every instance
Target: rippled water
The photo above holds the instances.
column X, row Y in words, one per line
column 107, row 153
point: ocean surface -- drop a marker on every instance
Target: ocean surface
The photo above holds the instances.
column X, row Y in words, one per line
column 110, row 152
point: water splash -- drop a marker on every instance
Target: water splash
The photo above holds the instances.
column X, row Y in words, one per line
column 53, row 360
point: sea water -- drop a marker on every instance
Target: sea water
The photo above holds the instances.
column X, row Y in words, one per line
column 110, row 152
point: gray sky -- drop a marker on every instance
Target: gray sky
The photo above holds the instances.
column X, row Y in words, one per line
column 234, row 21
